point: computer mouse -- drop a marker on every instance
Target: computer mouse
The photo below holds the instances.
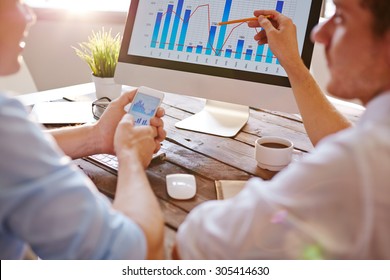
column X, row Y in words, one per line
column 181, row 186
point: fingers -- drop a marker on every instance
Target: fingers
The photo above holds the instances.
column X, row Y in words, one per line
column 155, row 131
column 265, row 24
column 261, row 37
column 162, row 134
column 160, row 112
column 158, row 146
column 253, row 23
column 127, row 118
column 141, row 141
column 146, row 131
column 272, row 13
column 156, row 122
column 262, row 41
column 158, row 125
column 126, row 97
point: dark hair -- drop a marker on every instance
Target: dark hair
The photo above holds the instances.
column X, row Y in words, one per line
column 380, row 10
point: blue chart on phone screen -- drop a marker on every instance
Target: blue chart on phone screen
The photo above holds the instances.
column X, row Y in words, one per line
column 188, row 31
column 144, row 108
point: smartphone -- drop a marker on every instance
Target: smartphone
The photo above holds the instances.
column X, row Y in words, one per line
column 145, row 104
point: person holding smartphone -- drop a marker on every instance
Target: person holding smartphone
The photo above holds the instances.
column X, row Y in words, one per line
column 49, row 203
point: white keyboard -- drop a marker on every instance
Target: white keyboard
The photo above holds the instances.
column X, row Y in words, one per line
column 110, row 162
column 106, row 159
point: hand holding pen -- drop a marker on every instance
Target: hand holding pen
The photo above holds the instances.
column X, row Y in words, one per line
column 280, row 33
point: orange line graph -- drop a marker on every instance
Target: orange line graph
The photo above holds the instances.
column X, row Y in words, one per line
column 209, row 26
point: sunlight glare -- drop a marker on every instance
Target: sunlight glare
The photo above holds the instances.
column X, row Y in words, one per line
column 81, row 6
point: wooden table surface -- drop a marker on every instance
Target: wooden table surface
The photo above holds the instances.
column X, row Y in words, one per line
column 209, row 157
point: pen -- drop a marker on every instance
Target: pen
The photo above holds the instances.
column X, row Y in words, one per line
column 242, row 20
column 68, row 99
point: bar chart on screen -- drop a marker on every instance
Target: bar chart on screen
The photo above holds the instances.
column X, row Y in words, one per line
column 188, row 30
column 143, row 108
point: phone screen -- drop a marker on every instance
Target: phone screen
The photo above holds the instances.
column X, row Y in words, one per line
column 143, row 108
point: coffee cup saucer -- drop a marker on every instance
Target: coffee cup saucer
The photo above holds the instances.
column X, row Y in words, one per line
column 271, row 167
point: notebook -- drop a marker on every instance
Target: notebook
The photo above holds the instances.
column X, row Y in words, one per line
column 228, row 188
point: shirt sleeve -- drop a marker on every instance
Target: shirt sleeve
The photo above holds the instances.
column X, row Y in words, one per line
column 303, row 212
column 49, row 203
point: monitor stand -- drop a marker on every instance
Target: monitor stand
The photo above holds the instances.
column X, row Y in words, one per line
column 217, row 118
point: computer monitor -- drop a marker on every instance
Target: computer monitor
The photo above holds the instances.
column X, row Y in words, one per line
column 177, row 46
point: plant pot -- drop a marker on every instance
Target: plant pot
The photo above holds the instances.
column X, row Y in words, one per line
column 106, row 87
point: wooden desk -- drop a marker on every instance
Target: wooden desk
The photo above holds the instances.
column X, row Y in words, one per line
column 207, row 157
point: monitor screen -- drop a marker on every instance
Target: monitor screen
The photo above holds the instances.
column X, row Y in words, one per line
column 177, row 46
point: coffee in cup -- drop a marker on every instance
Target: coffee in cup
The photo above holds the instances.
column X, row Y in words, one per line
column 273, row 153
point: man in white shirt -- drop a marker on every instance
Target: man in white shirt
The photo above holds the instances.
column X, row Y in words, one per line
column 337, row 199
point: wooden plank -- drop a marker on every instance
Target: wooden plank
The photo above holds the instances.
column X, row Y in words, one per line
column 185, row 103
column 103, row 180
column 227, row 150
column 173, row 215
column 197, row 163
column 259, row 124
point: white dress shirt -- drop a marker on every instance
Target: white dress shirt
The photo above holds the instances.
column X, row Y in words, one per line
column 334, row 202
column 50, row 204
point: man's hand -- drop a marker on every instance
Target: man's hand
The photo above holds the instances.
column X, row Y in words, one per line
column 135, row 142
column 105, row 128
column 281, row 35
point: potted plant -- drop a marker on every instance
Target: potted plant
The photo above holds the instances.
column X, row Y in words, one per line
column 101, row 53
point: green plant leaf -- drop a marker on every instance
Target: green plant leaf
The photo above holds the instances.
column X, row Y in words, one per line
column 100, row 52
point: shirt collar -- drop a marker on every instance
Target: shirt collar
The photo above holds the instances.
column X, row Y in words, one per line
column 378, row 109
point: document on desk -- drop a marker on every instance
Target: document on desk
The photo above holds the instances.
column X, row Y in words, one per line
column 63, row 112
column 228, row 188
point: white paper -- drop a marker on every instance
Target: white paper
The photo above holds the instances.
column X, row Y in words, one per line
column 63, row 112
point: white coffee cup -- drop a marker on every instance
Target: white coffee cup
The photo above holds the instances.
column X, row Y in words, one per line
column 273, row 153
